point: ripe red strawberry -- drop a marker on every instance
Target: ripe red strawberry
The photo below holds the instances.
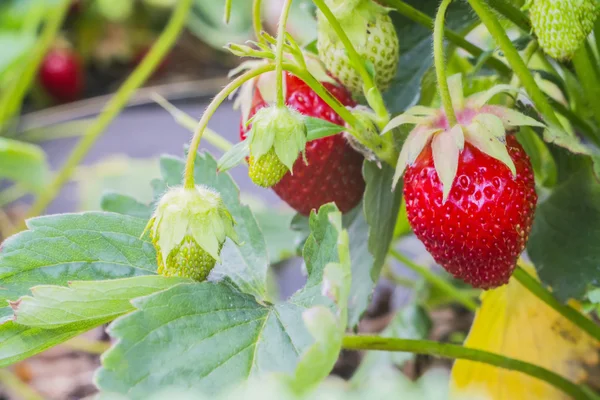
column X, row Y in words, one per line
column 478, row 234
column 61, row 74
column 334, row 170
column 469, row 188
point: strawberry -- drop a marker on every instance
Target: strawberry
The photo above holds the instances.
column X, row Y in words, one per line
column 563, row 25
column 333, row 172
column 371, row 31
column 61, row 74
column 188, row 230
column 469, row 189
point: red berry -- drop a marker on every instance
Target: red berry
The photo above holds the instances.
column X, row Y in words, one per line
column 480, row 231
column 334, row 170
column 61, row 75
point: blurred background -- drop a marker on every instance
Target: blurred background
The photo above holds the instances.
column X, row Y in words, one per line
column 46, row 108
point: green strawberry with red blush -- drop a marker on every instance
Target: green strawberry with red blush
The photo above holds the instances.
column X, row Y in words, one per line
column 469, row 189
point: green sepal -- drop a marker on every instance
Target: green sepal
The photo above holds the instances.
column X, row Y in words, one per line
column 234, row 156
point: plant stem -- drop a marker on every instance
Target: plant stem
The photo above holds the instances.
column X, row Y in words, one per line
column 459, row 352
column 566, row 311
column 590, row 81
column 12, row 193
column 188, row 179
column 424, row 19
column 227, row 10
column 382, row 146
column 370, row 89
column 515, row 61
column 80, row 343
column 527, row 54
column 512, row 13
column 436, row 281
column 115, row 105
column 256, row 19
column 12, row 97
column 19, row 388
column 279, row 52
column 440, row 64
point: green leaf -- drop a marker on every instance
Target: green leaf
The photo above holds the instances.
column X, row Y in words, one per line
column 381, row 207
column 55, row 313
column 326, row 328
column 86, row 302
column 245, row 265
column 564, row 243
column 122, row 204
column 60, row 248
column 282, row 241
column 14, row 46
column 18, row 342
column 210, row 336
column 23, row 163
column 318, row 128
column 415, row 51
column 234, row 157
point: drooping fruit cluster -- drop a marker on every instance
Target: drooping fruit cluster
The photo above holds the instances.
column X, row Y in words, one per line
column 371, row 31
column 333, row 169
column 563, row 25
column 62, row 75
column 188, row 229
column 469, row 189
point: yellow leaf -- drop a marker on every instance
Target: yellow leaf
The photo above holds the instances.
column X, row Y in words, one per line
column 514, row 323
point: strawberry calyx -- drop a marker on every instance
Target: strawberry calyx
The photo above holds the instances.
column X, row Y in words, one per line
column 483, row 126
column 183, row 216
column 281, row 129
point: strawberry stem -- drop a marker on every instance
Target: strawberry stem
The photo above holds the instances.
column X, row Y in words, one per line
column 279, row 52
column 355, row 342
column 257, row 21
column 440, row 64
column 515, row 61
column 188, row 179
column 421, row 18
column 114, row 106
column 583, row 62
column 370, row 90
column 566, row 311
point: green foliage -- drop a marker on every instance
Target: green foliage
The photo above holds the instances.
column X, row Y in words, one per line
column 23, row 163
column 234, row 334
column 564, row 240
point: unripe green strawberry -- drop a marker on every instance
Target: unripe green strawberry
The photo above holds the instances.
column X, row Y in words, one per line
column 371, row 31
column 563, row 25
column 267, row 171
column 277, row 137
column 188, row 229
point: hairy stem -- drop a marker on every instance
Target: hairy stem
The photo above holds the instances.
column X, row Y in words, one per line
column 566, row 311
column 459, row 352
column 423, row 19
column 436, row 281
column 515, row 61
column 279, row 52
column 188, row 179
column 17, row 387
column 370, row 89
column 256, row 19
column 115, row 105
column 440, row 64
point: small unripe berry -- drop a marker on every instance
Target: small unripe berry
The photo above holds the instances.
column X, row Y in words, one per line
column 277, row 137
column 188, row 229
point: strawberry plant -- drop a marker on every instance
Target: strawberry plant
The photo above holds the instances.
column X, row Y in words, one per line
column 488, row 155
